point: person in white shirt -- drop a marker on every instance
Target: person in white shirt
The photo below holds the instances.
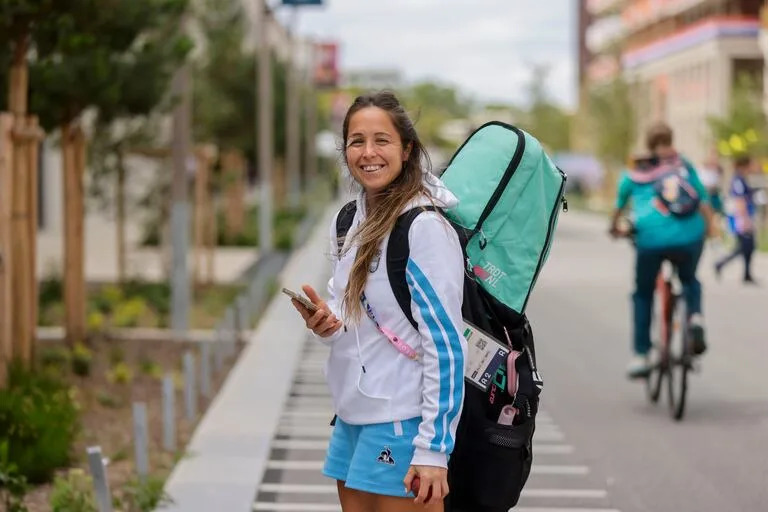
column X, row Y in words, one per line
column 397, row 390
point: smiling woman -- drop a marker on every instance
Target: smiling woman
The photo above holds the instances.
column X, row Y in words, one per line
column 397, row 387
column 375, row 153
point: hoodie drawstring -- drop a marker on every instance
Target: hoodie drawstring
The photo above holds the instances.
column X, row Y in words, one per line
column 359, row 351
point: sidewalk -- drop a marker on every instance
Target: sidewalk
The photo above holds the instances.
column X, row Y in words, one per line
column 227, row 456
column 146, row 263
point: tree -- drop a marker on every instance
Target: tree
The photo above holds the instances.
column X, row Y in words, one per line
column 225, row 76
column 116, row 59
column 545, row 120
column 432, row 105
column 743, row 129
column 612, row 121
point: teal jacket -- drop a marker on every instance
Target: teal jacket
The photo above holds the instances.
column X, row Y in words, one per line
column 655, row 229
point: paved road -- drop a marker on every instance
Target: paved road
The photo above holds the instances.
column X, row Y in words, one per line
column 600, row 447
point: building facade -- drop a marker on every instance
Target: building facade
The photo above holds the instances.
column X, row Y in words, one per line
column 682, row 59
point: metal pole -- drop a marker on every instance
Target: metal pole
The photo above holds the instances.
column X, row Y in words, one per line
column 311, row 123
column 293, row 114
column 264, row 131
column 181, row 154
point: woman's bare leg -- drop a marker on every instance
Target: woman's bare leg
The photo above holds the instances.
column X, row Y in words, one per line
column 353, row 500
column 394, row 504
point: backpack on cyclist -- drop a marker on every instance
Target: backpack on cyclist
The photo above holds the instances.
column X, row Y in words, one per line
column 510, row 194
column 671, row 182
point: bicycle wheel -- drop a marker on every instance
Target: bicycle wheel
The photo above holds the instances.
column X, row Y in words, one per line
column 679, row 359
column 661, row 323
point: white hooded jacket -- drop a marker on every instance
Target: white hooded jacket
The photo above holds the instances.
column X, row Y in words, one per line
column 370, row 380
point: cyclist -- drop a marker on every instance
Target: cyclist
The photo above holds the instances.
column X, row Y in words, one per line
column 672, row 218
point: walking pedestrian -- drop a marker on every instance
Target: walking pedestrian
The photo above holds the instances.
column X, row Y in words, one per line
column 741, row 218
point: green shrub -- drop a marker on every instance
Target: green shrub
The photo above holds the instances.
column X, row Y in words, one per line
column 51, row 291
column 57, row 357
column 13, row 486
column 128, row 313
column 107, row 298
column 156, row 295
column 82, row 359
column 52, row 315
column 145, row 496
column 96, row 322
column 39, row 419
column 116, row 355
column 121, row 373
column 73, row 493
column 108, row 400
column 151, row 368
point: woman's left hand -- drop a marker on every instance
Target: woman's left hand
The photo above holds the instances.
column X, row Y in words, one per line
column 433, row 483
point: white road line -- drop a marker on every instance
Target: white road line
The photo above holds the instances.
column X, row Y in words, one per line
column 595, row 494
column 322, row 444
column 323, row 431
column 551, row 449
column 549, row 436
column 557, row 509
column 323, row 420
column 314, row 465
column 527, row 493
column 559, row 470
column 298, row 488
column 296, row 507
column 310, row 389
column 303, row 465
column 321, row 507
column 301, row 413
column 300, row 444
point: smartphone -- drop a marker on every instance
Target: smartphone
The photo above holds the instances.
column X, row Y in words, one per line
column 302, row 299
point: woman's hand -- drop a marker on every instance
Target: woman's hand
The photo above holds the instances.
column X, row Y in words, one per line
column 433, row 483
column 322, row 322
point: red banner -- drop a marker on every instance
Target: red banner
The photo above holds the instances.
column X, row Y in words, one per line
column 326, row 65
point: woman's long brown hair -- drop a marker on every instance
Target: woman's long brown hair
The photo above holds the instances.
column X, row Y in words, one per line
column 390, row 202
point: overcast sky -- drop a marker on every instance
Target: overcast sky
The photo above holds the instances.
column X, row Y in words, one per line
column 484, row 47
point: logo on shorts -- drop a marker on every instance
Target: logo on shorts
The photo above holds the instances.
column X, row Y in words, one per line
column 385, row 457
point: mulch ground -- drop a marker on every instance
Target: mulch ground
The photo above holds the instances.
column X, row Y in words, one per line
column 107, row 415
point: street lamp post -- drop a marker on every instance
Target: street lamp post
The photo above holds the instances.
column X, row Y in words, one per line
column 264, row 130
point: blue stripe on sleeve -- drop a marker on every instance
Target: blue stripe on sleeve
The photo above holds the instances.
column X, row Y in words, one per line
column 450, row 381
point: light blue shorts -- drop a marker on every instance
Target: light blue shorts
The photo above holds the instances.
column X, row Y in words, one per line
column 372, row 458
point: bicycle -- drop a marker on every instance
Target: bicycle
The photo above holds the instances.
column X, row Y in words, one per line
column 672, row 354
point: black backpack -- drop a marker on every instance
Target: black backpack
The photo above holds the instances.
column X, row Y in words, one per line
column 490, row 462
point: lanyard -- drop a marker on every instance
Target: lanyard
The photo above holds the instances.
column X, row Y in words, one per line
column 398, row 343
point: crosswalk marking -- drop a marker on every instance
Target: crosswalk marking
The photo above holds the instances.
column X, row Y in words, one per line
column 324, row 430
column 556, row 509
column 296, row 507
column 304, row 433
column 322, row 445
column 300, row 413
column 527, row 493
column 314, row 465
column 300, row 444
column 322, row 507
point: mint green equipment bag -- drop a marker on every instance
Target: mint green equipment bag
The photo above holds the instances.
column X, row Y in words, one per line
column 510, row 195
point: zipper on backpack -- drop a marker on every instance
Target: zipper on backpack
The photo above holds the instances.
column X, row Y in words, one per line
column 508, row 173
column 565, row 204
column 548, row 239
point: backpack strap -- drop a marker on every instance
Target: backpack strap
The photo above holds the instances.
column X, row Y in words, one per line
column 343, row 224
column 398, row 252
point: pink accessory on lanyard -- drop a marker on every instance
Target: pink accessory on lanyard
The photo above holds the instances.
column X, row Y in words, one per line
column 395, row 340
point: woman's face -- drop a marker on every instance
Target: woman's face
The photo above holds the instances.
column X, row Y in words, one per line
column 374, row 150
